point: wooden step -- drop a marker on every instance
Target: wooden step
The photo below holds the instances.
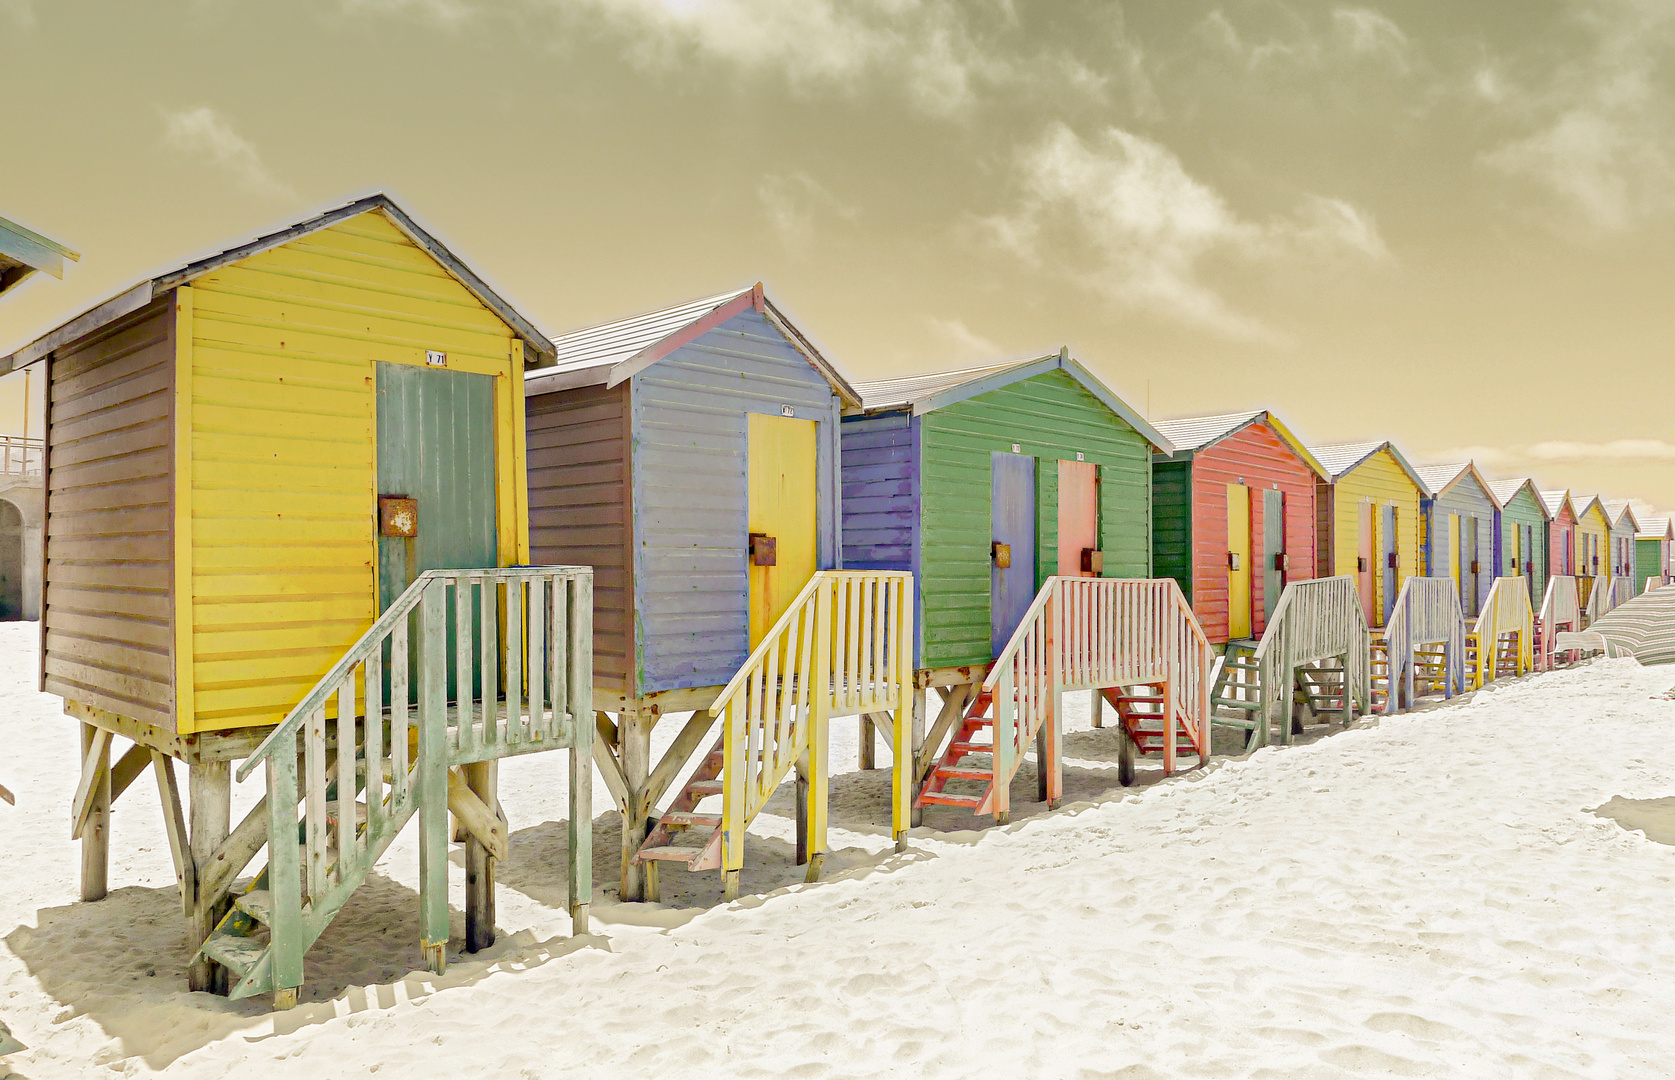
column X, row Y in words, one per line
column 671, row 853
column 689, row 819
column 706, row 787
column 235, row 952
column 955, row 772
column 970, row 748
column 943, row 798
column 258, row 904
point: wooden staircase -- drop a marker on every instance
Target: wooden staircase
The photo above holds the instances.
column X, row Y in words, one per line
column 959, row 764
column 1238, row 688
column 1140, row 711
column 670, row 840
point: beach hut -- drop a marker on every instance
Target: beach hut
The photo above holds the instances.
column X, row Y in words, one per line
column 987, row 483
column 1625, row 526
column 24, row 252
column 1593, row 552
column 691, row 456
column 268, row 472
column 1561, row 534
column 1233, row 517
column 1654, row 553
column 1521, row 525
column 1368, row 513
column 1459, row 530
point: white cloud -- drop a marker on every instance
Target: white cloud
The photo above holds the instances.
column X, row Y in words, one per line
column 1616, row 452
column 1367, row 33
column 205, row 134
column 447, row 13
column 21, row 11
column 794, row 203
column 846, row 43
column 1352, row 35
column 1122, row 216
column 1600, row 129
column 962, row 341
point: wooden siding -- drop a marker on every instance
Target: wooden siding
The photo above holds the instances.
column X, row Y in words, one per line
column 689, row 493
column 1051, row 417
column 108, row 621
column 1562, row 557
column 1172, row 523
column 1524, row 510
column 1381, row 482
column 579, row 508
column 1257, row 458
column 1593, row 539
column 283, row 488
column 1651, row 559
column 1466, row 498
column 880, row 503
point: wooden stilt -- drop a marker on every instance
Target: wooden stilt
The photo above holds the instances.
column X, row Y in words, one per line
column 481, row 778
column 1096, row 709
column 210, row 802
column 730, row 884
column 802, row 810
column 917, row 741
column 634, row 754
column 869, row 743
column 95, row 830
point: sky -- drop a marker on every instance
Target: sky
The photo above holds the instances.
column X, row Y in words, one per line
column 1449, row 225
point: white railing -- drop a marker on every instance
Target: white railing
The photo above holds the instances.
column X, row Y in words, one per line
column 1427, row 612
column 1506, row 612
column 517, row 679
column 1621, row 591
column 20, row 456
column 1653, row 582
column 1560, row 611
column 1314, row 620
column 844, row 646
column 1090, row 633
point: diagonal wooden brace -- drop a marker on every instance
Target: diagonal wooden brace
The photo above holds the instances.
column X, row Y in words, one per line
column 488, row 827
column 92, row 769
column 174, row 823
column 605, row 756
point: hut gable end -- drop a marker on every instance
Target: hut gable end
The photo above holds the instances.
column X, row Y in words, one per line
column 690, row 491
column 107, row 626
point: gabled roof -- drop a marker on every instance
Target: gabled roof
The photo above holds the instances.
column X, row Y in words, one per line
column 1588, row 504
column 1555, row 501
column 1194, row 434
column 1439, row 478
column 1340, row 458
column 150, row 289
column 1656, row 529
column 1618, row 509
column 1505, row 491
column 927, row 393
column 609, row 353
column 23, row 251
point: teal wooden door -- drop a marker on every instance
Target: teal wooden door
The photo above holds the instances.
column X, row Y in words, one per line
column 1012, row 510
column 1388, row 560
column 1273, row 551
column 436, row 446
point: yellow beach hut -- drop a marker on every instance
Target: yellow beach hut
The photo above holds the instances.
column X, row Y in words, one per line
column 1593, row 547
column 1369, row 520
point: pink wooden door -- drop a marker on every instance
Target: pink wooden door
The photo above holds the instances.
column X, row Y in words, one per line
column 1078, row 515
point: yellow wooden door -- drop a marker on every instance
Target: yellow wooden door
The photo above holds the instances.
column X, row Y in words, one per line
column 782, row 456
column 1238, row 561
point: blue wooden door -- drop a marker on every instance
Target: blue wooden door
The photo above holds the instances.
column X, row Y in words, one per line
column 1012, row 513
column 1273, row 551
column 1387, row 557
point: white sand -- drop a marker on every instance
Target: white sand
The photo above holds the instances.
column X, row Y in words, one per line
column 1433, row 895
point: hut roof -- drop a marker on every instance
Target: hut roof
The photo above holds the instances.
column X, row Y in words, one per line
column 1655, row 529
column 1340, row 458
column 1555, row 501
column 1505, row 491
column 609, row 353
column 1617, row 509
column 146, row 291
column 22, row 252
column 1439, row 478
column 1192, row 434
column 936, row 390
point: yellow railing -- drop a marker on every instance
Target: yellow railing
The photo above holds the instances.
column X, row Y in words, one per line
column 843, row 647
column 1506, row 612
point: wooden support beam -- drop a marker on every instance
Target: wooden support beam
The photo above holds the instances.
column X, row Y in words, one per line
column 95, row 779
column 90, row 812
column 868, row 756
column 174, row 824
column 216, row 874
column 604, row 756
column 955, row 701
column 469, row 809
column 210, row 785
column 691, row 737
column 128, row 768
column 479, row 779
column 634, row 746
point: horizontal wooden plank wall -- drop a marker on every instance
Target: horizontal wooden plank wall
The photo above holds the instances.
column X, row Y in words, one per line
column 108, row 628
column 1561, row 548
column 1465, row 499
column 1381, row 481
column 283, row 482
column 1523, row 511
column 880, row 489
column 1593, row 550
column 579, row 508
column 1173, row 527
column 1259, row 459
column 690, row 491
column 1051, row 417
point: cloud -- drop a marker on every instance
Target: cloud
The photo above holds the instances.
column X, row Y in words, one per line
column 1350, row 37
column 962, row 341
column 928, row 44
column 205, row 134
column 1616, row 452
column 1122, row 216
column 447, row 13
column 1599, row 129
column 793, row 202
column 21, row 11
column 1367, row 33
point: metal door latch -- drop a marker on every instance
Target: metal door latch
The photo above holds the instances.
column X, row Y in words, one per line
column 764, row 550
column 398, row 515
column 1093, row 561
column 1001, row 554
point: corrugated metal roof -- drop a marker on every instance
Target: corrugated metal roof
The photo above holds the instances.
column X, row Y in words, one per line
column 1194, row 432
column 1616, row 508
column 889, row 393
column 1653, row 529
column 1437, row 477
column 611, row 343
column 1553, row 500
column 1504, row 490
column 24, row 251
column 1339, row 458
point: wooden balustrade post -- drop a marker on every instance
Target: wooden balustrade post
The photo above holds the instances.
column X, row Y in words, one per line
column 96, row 832
column 634, row 747
column 916, row 816
column 433, row 778
column 579, row 684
